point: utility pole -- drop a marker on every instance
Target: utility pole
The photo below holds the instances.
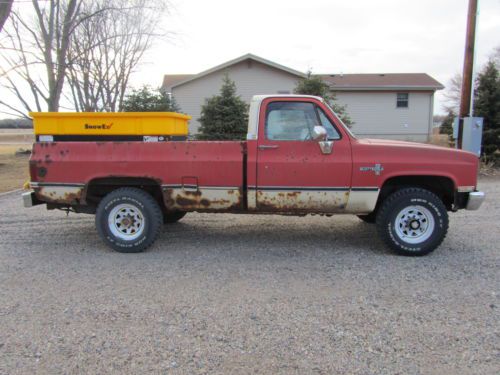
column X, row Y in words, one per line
column 465, row 98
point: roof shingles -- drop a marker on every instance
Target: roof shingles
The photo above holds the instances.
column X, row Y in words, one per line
column 381, row 81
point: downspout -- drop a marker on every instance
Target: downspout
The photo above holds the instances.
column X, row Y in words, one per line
column 431, row 117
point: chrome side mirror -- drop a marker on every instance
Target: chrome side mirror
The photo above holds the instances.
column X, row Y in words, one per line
column 319, row 133
column 326, row 147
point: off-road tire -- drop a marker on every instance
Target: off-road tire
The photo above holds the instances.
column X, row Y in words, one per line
column 141, row 201
column 171, row 217
column 395, row 204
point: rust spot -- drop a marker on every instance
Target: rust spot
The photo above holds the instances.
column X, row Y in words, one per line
column 196, row 201
column 185, row 202
column 299, row 203
column 52, row 196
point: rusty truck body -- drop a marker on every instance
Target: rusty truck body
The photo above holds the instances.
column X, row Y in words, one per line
column 298, row 159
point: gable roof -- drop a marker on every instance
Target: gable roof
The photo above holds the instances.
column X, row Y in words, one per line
column 337, row 82
column 173, row 80
column 382, row 81
column 170, row 80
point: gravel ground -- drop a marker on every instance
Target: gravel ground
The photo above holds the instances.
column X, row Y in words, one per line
column 247, row 294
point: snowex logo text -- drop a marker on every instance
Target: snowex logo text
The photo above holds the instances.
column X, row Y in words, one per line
column 98, row 126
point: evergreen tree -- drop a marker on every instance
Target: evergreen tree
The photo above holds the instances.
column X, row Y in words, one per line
column 487, row 105
column 224, row 116
column 147, row 99
column 314, row 85
column 447, row 124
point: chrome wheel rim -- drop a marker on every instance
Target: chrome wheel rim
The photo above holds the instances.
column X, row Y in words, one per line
column 126, row 222
column 414, row 224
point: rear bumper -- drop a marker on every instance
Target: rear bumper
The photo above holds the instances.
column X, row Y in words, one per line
column 30, row 199
column 475, row 200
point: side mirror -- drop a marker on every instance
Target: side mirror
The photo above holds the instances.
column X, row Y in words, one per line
column 319, row 133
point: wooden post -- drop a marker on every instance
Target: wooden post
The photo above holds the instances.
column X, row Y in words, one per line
column 465, row 97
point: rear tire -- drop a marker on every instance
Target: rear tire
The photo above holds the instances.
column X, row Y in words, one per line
column 128, row 220
column 171, row 217
column 412, row 221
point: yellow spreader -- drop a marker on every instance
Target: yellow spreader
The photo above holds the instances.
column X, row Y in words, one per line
column 62, row 124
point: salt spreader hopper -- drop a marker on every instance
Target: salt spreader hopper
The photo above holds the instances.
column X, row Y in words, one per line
column 112, row 126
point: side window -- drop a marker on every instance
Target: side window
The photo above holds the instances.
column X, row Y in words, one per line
column 290, row 121
column 327, row 124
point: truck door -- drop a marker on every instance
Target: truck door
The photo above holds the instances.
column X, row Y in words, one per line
column 293, row 173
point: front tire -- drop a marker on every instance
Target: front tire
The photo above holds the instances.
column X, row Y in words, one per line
column 128, row 220
column 412, row 221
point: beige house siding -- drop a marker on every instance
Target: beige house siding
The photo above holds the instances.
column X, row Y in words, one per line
column 251, row 78
column 375, row 114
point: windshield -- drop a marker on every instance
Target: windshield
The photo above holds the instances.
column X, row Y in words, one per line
column 338, row 118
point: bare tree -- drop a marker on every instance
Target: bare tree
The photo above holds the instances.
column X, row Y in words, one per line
column 94, row 44
column 5, row 7
column 106, row 48
column 452, row 94
column 35, row 48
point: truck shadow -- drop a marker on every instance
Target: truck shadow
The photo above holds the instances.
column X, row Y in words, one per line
column 300, row 236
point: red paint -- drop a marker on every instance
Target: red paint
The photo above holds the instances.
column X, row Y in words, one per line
column 293, row 164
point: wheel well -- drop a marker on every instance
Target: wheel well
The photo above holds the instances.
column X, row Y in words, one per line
column 443, row 187
column 98, row 188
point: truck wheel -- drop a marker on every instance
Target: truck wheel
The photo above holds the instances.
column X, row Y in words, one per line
column 412, row 221
column 128, row 220
column 370, row 218
column 173, row 216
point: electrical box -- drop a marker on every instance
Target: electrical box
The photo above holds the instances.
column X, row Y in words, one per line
column 473, row 134
column 455, row 127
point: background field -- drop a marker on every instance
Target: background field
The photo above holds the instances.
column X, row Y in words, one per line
column 14, row 168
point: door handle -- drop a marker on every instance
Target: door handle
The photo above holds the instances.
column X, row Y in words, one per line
column 268, row 147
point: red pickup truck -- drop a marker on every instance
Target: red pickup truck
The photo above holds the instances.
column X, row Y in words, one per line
column 298, row 159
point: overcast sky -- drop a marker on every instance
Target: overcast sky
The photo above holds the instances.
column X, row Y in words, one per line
column 327, row 36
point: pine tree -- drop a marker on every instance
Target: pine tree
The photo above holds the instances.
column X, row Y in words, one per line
column 147, row 99
column 224, row 116
column 487, row 105
column 314, row 85
column 447, row 124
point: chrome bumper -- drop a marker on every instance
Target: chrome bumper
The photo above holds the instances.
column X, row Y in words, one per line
column 29, row 199
column 475, row 200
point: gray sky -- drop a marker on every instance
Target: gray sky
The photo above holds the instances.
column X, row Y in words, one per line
column 327, row 36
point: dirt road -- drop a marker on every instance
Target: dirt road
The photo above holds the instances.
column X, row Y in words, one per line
column 247, row 294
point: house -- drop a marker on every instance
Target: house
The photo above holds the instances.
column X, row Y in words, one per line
column 397, row 106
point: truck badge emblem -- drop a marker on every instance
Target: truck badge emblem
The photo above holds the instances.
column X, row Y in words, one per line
column 376, row 169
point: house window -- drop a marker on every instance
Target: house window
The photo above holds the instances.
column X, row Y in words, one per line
column 402, row 100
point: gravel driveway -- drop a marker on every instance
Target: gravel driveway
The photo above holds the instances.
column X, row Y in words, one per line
column 247, row 294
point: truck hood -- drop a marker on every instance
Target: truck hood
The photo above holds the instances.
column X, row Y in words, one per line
column 419, row 147
column 399, row 158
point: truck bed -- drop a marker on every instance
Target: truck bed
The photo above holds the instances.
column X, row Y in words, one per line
column 193, row 175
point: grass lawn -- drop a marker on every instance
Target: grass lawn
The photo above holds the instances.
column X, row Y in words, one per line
column 14, row 171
